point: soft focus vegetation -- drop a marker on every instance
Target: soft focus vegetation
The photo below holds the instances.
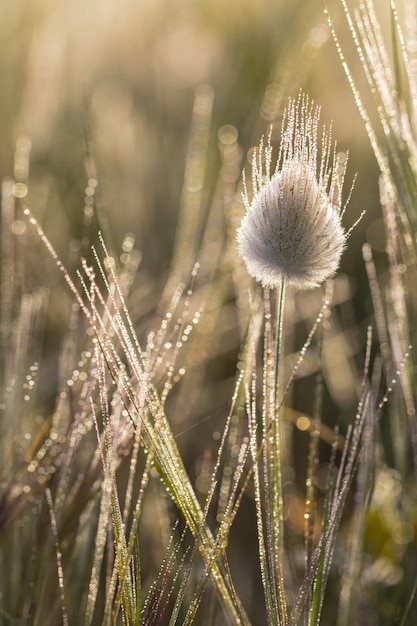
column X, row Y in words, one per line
column 136, row 367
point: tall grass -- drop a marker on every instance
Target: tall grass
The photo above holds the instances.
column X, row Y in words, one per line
column 178, row 444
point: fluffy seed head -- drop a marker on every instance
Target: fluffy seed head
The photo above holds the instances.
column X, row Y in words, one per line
column 292, row 228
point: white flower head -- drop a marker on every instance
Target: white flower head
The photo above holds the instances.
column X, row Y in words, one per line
column 293, row 229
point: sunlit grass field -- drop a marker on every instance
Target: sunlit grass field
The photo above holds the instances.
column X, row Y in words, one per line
column 178, row 445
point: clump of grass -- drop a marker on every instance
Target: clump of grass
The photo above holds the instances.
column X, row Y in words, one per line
column 120, row 500
column 120, row 390
column 388, row 110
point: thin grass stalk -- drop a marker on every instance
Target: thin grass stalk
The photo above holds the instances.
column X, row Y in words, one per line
column 73, row 436
column 390, row 97
column 222, row 535
column 133, row 538
column 269, row 589
column 259, row 459
column 157, row 590
column 100, row 542
column 132, row 544
column 226, row 514
column 123, row 561
column 101, row 534
column 303, row 592
column 167, row 459
column 169, row 573
column 178, row 590
column 324, row 550
column 386, row 342
column 366, row 480
column 126, row 575
column 266, row 454
column 42, row 550
column 198, row 594
column 397, row 154
column 312, row 464
column 401, row 327
column 319, row 582
column 404, row 620
column 185, row 503
column 408, row 67
column 263, row 506
column 180, row 594
column 60, row 571
column 375, row 143
column 278, row 506
column 169, row 466
column 313, row 458
column 138, row 575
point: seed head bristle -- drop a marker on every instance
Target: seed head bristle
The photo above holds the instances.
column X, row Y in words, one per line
column 292, row 228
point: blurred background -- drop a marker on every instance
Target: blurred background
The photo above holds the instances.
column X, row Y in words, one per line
column 129, row 71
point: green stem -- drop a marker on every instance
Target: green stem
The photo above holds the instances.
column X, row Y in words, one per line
column 277, row 461
column 278, row 340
